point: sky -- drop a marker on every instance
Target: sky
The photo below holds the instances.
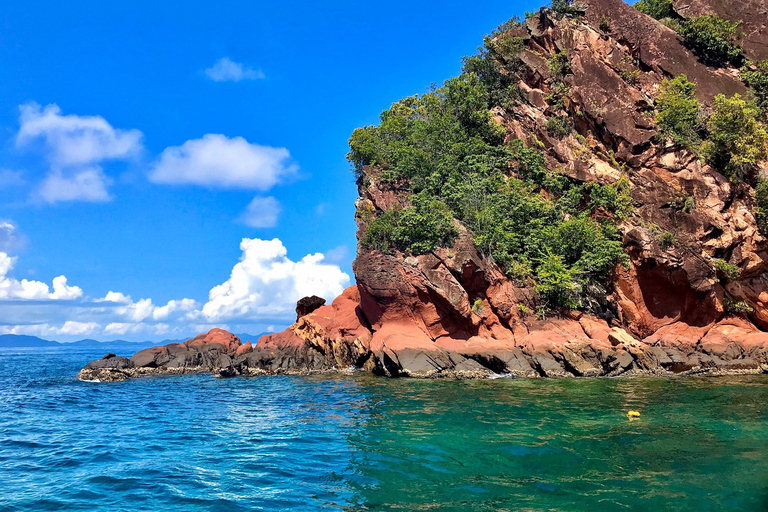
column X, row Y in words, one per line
column 167, row 168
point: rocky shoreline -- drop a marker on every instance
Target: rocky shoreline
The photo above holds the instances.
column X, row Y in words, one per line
column 556, row 348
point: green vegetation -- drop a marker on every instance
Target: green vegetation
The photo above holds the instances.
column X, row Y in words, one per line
column 605, row 24
column 477, row 307
column 418, row 228
column 558, row 127
column 757, row 79
column 714, row 40
column 497, row 64
column 446, row 153
column 565, row 9
column 628, row 71
column 678, row 112
column 761, row 198
column 737, row 140
column 727, row 271
column 658, row 9
column 666, row 240
column 736, row 307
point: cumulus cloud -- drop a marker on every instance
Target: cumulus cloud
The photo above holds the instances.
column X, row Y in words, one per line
column 72, row 140
column 227, row 70
column 261, row 212
column 13, row 289
column 74, row 147
column 86, row 185
column 267, row 283
column 217, row 161
column 262, row 290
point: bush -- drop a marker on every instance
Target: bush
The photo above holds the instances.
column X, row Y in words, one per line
column 677, row 112
column 605, row 24
column 658, row 9
column 667, row 240
column 757, row 79
column 615, row 198
column 565, row 9
column 714, row 40
column 417, row 229
column 737, row 140
column 558, row 284
column 736, row 307
column 558, row 127
column 726, row 270
column 761, row 198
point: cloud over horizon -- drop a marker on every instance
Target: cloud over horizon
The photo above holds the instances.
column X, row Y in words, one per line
column 262, row 289
column 227, row 70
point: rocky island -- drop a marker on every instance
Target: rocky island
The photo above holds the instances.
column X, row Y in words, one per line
column 588, row 198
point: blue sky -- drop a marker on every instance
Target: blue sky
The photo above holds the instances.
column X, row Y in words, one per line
column 140, row 144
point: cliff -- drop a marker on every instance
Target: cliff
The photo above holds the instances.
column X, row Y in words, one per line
column 690, row 296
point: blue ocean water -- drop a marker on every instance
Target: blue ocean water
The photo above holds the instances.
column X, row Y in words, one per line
column 363, row 443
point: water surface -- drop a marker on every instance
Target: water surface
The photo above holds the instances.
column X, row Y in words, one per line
column 364, row 443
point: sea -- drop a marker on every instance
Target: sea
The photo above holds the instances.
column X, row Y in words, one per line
column 359, row 442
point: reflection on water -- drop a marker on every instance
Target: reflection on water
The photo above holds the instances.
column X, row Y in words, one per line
column 363, row 443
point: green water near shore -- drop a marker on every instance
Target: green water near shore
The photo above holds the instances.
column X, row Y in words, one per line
column 360, row 443
column 566, row 445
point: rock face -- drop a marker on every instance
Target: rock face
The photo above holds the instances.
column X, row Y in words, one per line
column 453, row 312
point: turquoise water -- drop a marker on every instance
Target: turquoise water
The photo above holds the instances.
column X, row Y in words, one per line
column 364, row 443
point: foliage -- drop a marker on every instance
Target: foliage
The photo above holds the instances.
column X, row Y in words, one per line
column 444, row 150
column 728, row 271
column 418, row 228
column 736, row 307
column 605, row 24
column 614, row 198
column 477, row 307
column 628, row 71
column 565, row 9
column 757, row 79
column 714, row 40
column 677, row 111
column 557, row 283
column 658, row 9
column 559, row 65
column 667, row 240
column 558, row 127
column 497, row 64
column 737, row 140
column 761, row 198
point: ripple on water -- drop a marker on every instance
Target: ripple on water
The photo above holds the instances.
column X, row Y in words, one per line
column 361, row 443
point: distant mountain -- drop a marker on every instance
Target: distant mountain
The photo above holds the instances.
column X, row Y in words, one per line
column 23, row 341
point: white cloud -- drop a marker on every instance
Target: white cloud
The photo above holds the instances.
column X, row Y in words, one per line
column 227, row 70
column 74, row 140
column 13, row 289
column 74, row 147
column 217, row 161
column 85, row 185
column 337, row 255
column 262, row 291
column 10, row 237
column 261, row 212
column 266, row 283
column 73, row 328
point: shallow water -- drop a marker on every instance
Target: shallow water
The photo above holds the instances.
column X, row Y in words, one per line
column 365, row 443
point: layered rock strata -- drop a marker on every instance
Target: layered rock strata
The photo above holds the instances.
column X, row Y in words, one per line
column 453, row 312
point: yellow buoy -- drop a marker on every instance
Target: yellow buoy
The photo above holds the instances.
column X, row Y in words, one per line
column 633, row 414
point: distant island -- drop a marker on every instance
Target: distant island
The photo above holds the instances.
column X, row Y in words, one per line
column 24, row 341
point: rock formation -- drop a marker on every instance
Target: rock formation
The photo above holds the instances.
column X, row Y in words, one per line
column 453, row 311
